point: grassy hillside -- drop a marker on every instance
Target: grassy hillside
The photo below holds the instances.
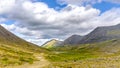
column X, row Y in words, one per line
column 13, row 55
column 16, row 51
column 99, row 55
column 50, row 43
column 16, row 54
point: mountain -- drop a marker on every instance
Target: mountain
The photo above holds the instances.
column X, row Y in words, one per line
column 52, row 43
column 102, row 34
column 8, row 38
column 99, row 34
column 72, row 40
column 16, row 51
column 102, row 52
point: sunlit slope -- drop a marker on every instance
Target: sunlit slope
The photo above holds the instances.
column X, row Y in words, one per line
column 52, row 43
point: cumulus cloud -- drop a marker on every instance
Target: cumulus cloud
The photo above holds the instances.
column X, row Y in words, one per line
column 2, row 20
column 113, row 1
column 78, row 2
column 85, row 2
column 35, row 21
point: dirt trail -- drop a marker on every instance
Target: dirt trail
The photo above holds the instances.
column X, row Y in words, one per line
column 38, row 64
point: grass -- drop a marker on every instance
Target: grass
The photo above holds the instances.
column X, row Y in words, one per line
column 49, row 44
column 70, row 56
column 14, row 56
column 18, row 52
column 112, row 62
column 98, row 55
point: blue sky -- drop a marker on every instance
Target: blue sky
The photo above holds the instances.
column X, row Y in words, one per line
column 52, row 3
column 103, row 6
column 40, row 20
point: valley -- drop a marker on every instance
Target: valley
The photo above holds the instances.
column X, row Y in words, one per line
column 98, row 49
column 59, row 33
column 100, row 55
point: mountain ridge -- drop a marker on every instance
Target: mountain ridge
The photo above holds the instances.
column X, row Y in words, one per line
column 102, row 34
column 99, row 34
column 72, row 40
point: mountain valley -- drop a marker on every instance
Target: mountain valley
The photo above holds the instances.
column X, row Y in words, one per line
column 99, row 49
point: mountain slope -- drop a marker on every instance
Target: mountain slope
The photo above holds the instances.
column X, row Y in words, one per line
column 102, row 34
column 9, row 38
column 72, row 40
column 16, row 51
column 52, row 43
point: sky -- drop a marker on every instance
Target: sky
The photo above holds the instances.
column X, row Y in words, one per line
column 38, row 21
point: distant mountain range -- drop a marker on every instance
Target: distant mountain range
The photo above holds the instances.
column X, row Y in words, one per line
column 99, row 34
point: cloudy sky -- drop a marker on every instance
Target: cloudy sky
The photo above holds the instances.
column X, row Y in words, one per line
column 38, row 21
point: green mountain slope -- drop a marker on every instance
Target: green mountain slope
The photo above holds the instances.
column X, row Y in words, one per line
column 16, row 51
column 99, row 55
column 52, row 43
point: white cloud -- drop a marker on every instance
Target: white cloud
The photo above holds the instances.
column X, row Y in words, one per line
column 85, row 2
column 37, row 22
column 9, row 27
column 30, row 36
column 38, row 41
column 78, row 2
column 6, row 5
column 110, row 17
column 113, row 1
column 2, row 20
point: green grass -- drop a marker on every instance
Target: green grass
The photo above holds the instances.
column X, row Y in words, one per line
column 70, row 56
column 86, row 55
column 10, row 55
column 16, row 51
